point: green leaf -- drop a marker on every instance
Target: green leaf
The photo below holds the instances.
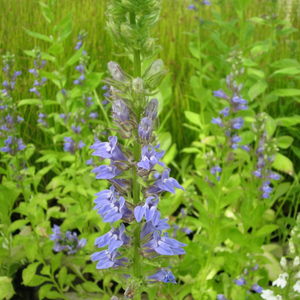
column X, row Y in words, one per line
column 283, row 164
column 62, row 276
column 257, row 89
column 281, row 189
column 56, row 49
column 255, row 73
column 29, row 272
column 237, row 237
column 285, row 63
column 37, row 280
column 270, row 126
column 64, row 22
column 55, row 261
column 286, row 92
column 74, row 58
column 266, row 230
column 31, row 250
column 91, row 287
column 287, row 71
column 288, row 121
column 193, row 118
column 44, row 55
column 6, row 288
column 29, row 102
column 284, row 142
column 93, row 80
column 38, row 35
column 16, row 225
column 67, row 29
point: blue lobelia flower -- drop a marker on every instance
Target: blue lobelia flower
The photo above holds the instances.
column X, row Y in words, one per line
column 120, row 111
column 56, row 233
column 145, row 128
column 113, row 211
column 164, row 245
column 192, row 6
column 256, row 288
column 218, row 121
column 240, row 281
column 221, row 297
column 216, row 169
column 163, row 275
column 106, row 172
column 75, row 129
column 164, row 183
column 274, row 176
column 34, row 72
column 237, row 123
column 70, row 145
column 93, row 115
column 150, row 157
column 206, row 2
column 151, row 109
column 246, row 147
column 110, row 149
column 147, row 210
column 107, row 260
column 42, row 119
column 115, row 238
column 220, row 94
column 155, row 224
column 106, row 197
column 34, row 90
column 225, row 111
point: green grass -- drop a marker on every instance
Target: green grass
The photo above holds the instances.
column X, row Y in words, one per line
column 176, row 19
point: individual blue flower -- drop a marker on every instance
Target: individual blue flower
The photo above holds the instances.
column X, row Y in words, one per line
column 176, row 228
column 107, row 260
column 112, row 212
column 220, row 94
column 155, row 224
column 246, row 147
column 34, row 90
column 240, row 281
column 147, row 210
column 115, row 238
column 218, row 121
column 19, row 119
column 274, row 176
column 120, row 111
column 80, row 80
column 106, row 172
column 145, row 129
column 150, row 157
column 80, row 42
column 221, row 297
column 56, row 233
column 216, row 169
column 151, row 109
column 106, row 197
column 164, row 183
column 80, row 69
column 225, row 111
column 164, row 245
column 69, row 145
column 237, row 123
column 81, row 144
column 75, row 129
column 89, row 162
column 257, row 173
column 187, row 230
column 110, row 149
column 192, row 6
column 206, row 2
column 93, row 115
column 34, row 72
column 43, row 80
column 163, row 275
column 256, row 288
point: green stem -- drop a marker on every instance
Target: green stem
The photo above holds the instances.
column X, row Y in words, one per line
column 137, row 155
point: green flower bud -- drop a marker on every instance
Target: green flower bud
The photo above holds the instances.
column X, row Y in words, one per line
column 129, row 31
column 113, row 30
column 155, row 68
column 137, row 84
column 117, row 73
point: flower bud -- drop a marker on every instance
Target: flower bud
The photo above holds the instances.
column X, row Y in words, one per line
column 145, row 128
column 155, row 68
column 151, row 109
column 117, row 73
column 129, row 31
column 283, row 262
column 137, row 84
column 296, row 261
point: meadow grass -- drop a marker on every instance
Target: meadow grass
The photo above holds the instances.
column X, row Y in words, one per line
column 175, row 21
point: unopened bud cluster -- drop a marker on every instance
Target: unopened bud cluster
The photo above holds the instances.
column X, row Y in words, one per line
column 129, row 24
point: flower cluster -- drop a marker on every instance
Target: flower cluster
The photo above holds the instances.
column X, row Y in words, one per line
column 69, row 242
column 127, row 167
column 265, row 153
